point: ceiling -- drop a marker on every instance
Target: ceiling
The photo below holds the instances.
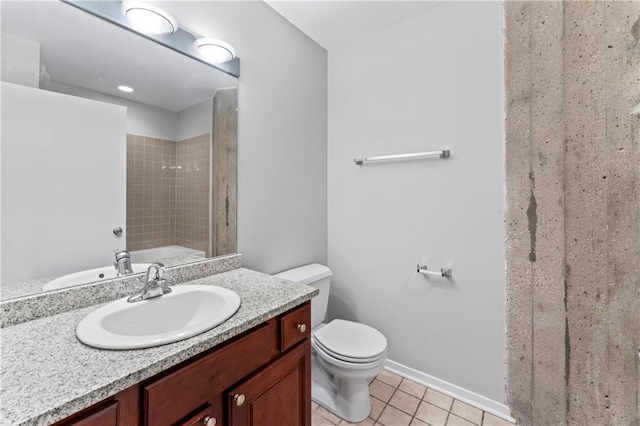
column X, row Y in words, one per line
column 332, row 24
column 88, row 52
column 85, row 51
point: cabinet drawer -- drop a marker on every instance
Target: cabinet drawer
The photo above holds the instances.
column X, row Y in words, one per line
column 295, row 326
column 175, row 396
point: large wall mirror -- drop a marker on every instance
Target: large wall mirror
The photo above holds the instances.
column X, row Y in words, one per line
column 82, row 159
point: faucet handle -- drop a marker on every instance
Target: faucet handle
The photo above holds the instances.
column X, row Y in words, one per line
column 121, row 254
column 155, row 271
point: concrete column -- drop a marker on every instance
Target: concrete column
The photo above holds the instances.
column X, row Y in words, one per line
column 225, row 171
column 573, row 216
column 621, row 48
column 518, row 187
column 535, row 214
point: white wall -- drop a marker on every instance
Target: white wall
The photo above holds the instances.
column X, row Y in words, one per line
column 282, row 113
column 195, row 121
column 431, row 82
column 142, row 119
column 74, row 157
column 20, row 60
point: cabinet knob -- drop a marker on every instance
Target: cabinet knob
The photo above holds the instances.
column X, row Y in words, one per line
column 302, row 328
column 209, row 421
column 238, row 399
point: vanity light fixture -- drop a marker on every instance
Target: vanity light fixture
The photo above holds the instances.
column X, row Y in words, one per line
column 215, row 51
column 149, row 19
column 124, row 88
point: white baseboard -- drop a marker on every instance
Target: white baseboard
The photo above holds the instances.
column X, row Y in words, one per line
column 461, row 394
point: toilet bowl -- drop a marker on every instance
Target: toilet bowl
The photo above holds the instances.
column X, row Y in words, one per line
column 345, row 355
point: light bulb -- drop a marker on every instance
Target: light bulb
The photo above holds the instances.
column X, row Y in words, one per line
column 215, row 51
column 149, row 19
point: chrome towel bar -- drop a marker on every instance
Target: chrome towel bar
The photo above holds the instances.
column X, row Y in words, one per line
column 423, row 269
column 445, row 153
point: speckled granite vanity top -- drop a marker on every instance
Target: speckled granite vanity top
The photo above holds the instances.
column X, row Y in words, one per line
column 46, row 374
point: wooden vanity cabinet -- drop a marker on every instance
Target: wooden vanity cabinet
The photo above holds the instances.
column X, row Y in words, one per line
column 260, row 378
column 170, row 399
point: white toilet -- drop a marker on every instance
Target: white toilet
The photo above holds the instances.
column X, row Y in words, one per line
column 346, row 355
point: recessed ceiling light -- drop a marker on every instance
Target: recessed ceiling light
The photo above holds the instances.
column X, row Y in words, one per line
column 149, row 19
column 127, row 89
column 215, row 51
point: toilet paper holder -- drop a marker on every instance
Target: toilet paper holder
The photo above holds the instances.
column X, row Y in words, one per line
column 423, row 269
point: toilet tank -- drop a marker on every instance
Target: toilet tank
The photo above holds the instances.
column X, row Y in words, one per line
column 315, row 275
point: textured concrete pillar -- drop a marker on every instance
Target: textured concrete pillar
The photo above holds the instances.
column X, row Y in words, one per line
column 518, row 163
column 602, row 236
column 573, row 216
column 535, row 174
column 225, row 164
column 621, row 46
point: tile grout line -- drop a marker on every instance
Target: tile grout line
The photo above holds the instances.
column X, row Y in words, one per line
column 413, row 416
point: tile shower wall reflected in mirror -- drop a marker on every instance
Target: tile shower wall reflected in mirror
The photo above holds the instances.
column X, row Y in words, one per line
column 168, row 187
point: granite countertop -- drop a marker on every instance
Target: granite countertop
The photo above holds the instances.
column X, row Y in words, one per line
column 23, row 288
column 46, row 373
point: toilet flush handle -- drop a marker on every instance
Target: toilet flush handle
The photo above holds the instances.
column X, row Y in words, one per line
column 302, row 328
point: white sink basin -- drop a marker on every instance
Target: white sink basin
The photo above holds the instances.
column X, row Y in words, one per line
column 91, row 276
column 186, row 311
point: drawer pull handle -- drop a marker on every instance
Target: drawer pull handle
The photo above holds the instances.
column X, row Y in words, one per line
column 302, row 328
column 209, row 421
column 238, row 399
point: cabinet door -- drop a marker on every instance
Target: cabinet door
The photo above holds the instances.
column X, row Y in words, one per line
column 123, row 409
column 278, row 395
column 106, row 416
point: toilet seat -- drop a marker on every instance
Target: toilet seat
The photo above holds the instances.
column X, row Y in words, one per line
column 350, row 342
column 347, row 366
column 328, row 352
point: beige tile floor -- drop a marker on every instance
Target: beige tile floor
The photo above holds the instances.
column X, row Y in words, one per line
column 396, row 401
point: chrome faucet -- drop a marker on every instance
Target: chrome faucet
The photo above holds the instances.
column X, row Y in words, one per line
column 155, row 285
column 123, row 263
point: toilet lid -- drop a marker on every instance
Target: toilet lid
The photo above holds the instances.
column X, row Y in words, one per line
column 351, row 339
